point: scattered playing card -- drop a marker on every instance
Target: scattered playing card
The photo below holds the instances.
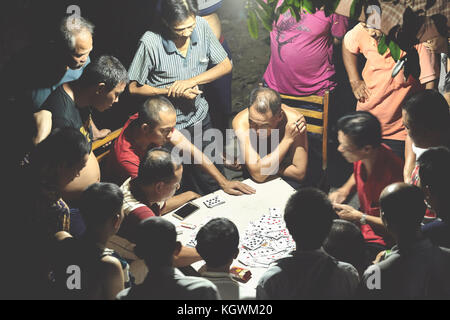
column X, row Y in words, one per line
column 253, row 243
column 275, row 213
column 214, row 201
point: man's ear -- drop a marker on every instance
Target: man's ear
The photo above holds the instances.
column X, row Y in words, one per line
column 159, row 187
column 117, row 222
column 236, row 254
column 101, row 88
column 177, row 250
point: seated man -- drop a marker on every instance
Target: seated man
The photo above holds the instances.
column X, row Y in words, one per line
column 151, row 194
column 157, row 245
column 39, row 211
column 345, row 242
column 218, row 245
column 154, row 126
column 280, row 132
column 375, row 167
column 69, row 106
column 414, row 268
column 310, row 273
column 434, row 173
column 101, row 271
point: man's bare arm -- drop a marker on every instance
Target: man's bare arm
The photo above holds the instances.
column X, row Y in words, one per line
column 351, row 65
column 297, row 169
column 410, row 160
column 230, row 187
column 43, row 120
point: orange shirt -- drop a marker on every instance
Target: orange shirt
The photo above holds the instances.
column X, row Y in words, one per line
column 387, row 93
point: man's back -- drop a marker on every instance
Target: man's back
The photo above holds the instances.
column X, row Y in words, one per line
column 171, row 284
column 308, row 275
column 420, row 272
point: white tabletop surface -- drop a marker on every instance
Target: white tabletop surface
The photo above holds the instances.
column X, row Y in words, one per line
column 241, row 210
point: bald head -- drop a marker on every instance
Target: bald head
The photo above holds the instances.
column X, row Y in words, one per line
column 158, row 165
column 265, row 100
column 403, row 208
column 150, row 111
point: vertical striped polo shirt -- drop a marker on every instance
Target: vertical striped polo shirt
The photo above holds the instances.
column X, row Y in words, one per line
column 158, row 63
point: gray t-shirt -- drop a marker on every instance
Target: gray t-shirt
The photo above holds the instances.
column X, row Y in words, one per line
column 308, row 275
column 171, row 284
column 419, row 272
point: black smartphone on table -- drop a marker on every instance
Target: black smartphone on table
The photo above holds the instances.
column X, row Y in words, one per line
column 185, row 211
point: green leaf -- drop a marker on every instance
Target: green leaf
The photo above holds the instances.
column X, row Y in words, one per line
column 267, row 9
column 309, row 6
column 355, row 9
column 266, row 21
column 395, row 50
column 382, row 45
column 330, row 7
column 252, row 24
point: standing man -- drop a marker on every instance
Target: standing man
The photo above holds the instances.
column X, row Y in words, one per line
column 376, row 91
column 172, row 61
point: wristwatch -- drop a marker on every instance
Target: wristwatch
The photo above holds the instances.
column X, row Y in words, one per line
column 363, row 220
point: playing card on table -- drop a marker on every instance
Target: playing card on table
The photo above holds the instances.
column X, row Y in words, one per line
column 214, row 201
column 283, row 244
column 253, row 243
column 275, row 213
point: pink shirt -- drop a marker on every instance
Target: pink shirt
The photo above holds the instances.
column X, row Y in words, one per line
column 387, row 93
column 302, row 52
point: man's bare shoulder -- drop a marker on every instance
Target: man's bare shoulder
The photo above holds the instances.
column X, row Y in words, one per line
column 240, row 121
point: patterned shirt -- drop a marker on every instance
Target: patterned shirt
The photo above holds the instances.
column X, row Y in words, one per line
column 158, row 63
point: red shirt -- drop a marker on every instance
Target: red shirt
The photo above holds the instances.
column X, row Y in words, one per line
column 124, row 160
column 388, row 169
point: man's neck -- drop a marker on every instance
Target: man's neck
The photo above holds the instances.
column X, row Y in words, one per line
column 78, row 94
column 138, row 139
column 223, row 269
column 405, row 242
column 139, row 195
column 98, row 238
column 369, row 162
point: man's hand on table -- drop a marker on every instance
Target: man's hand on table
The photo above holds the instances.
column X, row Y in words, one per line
column 237, row 188
column 346, row 212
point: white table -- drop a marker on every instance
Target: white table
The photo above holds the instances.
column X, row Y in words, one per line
column 241, row 210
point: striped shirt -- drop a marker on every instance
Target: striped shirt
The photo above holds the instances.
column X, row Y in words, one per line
column 158, row 63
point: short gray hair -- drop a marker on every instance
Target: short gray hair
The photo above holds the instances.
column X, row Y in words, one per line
column 150, row 109
column 71, row 26
column 265, row 99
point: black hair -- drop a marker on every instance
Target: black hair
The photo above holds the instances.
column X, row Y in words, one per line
column 158, row 165
column 63, row 147
column 363, row 128
column 150, row 109
column 265, row 99
column 427, row 110
column 105, row 69
column 403, row 208
column 176, row 11
column 434, row 172
column 218, row 242
column 99, row 203
column 346, row 243
column 156, row 240
column 309, row 215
